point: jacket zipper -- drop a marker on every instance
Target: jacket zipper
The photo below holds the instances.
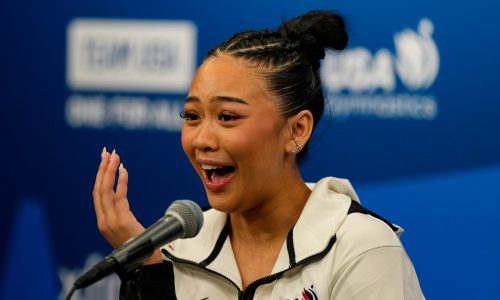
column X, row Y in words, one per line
column 249, row 292
column 241, row 294
column 252, row 287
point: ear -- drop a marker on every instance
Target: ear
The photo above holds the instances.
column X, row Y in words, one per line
column 301, row 126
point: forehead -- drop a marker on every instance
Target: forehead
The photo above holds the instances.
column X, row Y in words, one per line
column 230, row 77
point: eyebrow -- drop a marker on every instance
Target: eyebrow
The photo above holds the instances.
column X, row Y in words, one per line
column 218, row 99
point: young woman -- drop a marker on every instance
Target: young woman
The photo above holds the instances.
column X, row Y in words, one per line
column 252, row 107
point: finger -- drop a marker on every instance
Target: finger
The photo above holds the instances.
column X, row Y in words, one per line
column 121, row 202
column 108, row 180
column 102, row 168
column 107, row 193
column 98, row 181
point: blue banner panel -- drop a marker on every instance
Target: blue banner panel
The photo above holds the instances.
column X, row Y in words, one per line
column 414, row 96
column 29, row 266
column 450, row 229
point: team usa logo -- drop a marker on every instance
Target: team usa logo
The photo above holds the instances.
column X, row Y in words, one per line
column 121, row 56
column 308, row 294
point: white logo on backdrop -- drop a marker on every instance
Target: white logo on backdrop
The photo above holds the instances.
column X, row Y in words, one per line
column 417, row 59
column 364, row 85
column 107, row 288
column 128, row 56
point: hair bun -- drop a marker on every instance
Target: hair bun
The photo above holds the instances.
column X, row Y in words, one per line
column 315, row 31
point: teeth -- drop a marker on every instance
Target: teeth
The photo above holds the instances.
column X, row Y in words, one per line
column 209, row 167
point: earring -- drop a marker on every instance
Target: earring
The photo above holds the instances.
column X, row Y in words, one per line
column 295, row 149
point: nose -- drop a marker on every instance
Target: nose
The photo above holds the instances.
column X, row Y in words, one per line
column 205, row 138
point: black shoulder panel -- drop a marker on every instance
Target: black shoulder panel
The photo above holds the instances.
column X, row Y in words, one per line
column 357, row 208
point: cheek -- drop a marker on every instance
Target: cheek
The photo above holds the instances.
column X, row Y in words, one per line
column 186, row 140
column 259, row 142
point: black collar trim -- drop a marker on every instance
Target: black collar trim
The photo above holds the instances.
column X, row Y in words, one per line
column 218, row 245
column 290, row 247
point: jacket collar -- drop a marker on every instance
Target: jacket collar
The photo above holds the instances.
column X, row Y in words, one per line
column 317, row 225
column 322, row 216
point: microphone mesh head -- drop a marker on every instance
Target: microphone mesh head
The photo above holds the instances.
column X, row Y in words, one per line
column 191, row 216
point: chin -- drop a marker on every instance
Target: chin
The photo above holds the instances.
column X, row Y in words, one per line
column 221, row 203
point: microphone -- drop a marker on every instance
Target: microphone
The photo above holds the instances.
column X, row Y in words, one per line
column 183, row 219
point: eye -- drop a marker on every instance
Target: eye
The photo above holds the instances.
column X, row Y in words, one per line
column 226, row 117
column 189, row 116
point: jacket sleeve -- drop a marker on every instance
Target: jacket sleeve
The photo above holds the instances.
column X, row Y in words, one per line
column 148, row 282
column 381, row 273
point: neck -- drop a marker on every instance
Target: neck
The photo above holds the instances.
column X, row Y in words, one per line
column 273, row 219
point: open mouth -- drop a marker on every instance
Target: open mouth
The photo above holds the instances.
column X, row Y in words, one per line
column 218, row 173
column 217, row 177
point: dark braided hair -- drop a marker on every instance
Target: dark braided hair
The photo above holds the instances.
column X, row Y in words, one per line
column 290, row 59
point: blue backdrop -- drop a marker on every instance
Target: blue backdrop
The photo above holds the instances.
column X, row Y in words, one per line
column 412, row 122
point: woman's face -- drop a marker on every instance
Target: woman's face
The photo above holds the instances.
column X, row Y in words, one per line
column 234, row 135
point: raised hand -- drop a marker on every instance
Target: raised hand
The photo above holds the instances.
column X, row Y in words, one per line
column 114, row 219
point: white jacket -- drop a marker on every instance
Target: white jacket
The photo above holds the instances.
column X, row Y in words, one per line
column 329, row 254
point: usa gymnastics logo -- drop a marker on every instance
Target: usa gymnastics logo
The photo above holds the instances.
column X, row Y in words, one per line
column 385, row 85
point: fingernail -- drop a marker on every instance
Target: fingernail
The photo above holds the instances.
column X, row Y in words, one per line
column 103, row 152
column 120, row 168
column 114, row 152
